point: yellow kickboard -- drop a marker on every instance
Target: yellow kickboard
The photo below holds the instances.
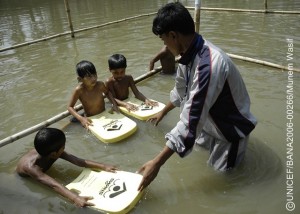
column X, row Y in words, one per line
column 144, row 112
column 111, row 192
column 112, row 127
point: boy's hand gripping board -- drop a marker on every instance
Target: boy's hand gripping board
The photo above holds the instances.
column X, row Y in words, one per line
column 112, row 127
column 144, row 112
column 111, row 192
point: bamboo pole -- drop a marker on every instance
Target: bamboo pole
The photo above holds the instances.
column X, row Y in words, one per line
column 245, row 10
column 261, row 62
column 62, row 115
column 266, row 5
column 75, row 31
column 197, row 15
column 37, row 127
column 34, row 41
column 114, row 22
column 69, row 17
column 139, row 16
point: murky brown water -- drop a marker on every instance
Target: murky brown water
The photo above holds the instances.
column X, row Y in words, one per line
column 36, row 82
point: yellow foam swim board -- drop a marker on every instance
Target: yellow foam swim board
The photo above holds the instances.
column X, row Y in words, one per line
column 144, row 112
column 111, row 192
column 112, row 127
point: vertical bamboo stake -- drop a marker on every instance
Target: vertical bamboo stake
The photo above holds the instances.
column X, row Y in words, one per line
column 69, row 17
column 197, row 15
column 266, row 5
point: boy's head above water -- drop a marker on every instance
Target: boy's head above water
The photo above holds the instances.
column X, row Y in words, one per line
column 85, row 69
column 49, row 140
column 117, row 65
column 117, row 61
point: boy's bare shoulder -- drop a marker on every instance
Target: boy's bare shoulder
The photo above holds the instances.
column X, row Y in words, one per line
column 109, row 80
column 79, row 88
column 27, row 163
column 100, row 84
column 128, row 77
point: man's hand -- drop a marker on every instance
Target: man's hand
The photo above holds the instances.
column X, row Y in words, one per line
column 149, row 171
column 155, row 119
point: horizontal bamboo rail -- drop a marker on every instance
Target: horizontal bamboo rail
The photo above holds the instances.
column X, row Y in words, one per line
column 75, row 31
column 246, row 10
column 261, row 62
column 62, row 115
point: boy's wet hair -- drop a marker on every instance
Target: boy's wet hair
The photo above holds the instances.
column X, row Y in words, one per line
column 173, row 17
column 117, row 61
column 85, row 68
column 49, row 140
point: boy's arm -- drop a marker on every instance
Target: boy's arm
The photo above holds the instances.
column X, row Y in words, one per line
column 129, row 107
column 110, row 94
column 156, row 58
column 134, row 89
column 139, row 94
column 74, row 98
column 87, row 163
column 36, row 173
column 113, row 101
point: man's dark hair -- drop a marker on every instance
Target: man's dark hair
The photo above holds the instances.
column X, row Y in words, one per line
column 117, row 61
column 49, row 140
column 85, row 68
column 173, row 17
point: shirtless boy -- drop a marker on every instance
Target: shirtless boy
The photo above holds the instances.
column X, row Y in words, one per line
column 49, row 145
column 90, row 93
column 119, row 83
column 167, row 61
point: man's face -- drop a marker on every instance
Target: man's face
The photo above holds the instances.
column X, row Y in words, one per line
column 170, row 41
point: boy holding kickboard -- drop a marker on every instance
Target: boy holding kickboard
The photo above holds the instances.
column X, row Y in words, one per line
column 108, row 190
column 119, row 83
column 109, row 127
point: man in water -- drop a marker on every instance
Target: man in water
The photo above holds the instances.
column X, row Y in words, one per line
column 211, row 94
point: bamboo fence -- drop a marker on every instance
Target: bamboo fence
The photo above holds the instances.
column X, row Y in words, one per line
column 261, row 62
column 75, row 31
column 246, row 10
column 69, row 17
column 197, row 8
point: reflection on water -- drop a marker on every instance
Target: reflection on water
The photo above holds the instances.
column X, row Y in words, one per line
column 36, row 82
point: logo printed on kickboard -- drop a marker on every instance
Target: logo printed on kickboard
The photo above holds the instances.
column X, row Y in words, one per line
column 113, row 125
column 113, row 188
column 145, row 107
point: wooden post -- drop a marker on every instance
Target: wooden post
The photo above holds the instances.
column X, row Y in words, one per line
column 69, row 17
column 197, row 15
column 266, row 5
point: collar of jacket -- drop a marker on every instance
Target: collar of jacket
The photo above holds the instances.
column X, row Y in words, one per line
column 195, row 46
